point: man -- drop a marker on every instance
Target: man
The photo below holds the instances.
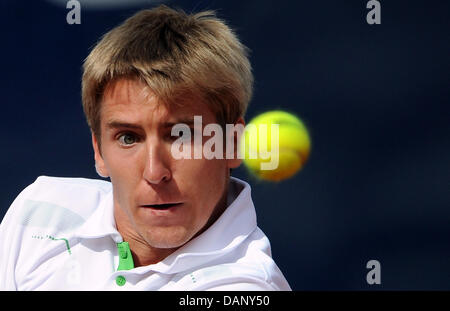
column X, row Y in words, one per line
column 162, row 223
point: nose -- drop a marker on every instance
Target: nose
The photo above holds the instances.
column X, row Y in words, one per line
column 156, row 169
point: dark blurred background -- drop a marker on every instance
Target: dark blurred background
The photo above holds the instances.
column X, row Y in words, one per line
column 374, row 97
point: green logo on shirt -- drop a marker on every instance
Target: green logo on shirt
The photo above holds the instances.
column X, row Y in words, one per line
column 49, row 237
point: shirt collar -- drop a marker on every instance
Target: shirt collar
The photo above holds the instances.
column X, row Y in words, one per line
column 101, row 223
column 235, row 224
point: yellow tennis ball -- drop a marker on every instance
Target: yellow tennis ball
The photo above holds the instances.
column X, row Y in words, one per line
column 274, row 157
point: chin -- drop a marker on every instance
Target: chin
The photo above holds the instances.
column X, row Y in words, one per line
column 165, row 244
column 171, row 239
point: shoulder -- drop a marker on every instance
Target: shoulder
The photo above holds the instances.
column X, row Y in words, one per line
column 47, row 207
column 259, row 264
column 249, row 267
column 52, row 185
column 67, row 201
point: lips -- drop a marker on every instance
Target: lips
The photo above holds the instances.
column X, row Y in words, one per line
column 163, row 206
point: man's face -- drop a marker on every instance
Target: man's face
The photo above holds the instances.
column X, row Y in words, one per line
column 135, row 153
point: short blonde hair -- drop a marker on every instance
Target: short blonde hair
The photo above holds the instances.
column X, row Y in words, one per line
column 177, row 56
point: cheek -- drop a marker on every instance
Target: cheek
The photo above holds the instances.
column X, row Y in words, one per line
column 204, row 180
column 193, row 172
column 124, row 170
column 124, row 162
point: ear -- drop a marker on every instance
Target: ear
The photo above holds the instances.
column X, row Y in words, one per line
column 234, row 138
column 99, row 163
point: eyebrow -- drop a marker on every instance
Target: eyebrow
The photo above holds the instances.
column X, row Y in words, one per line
column 115, row 124
column 120, row 124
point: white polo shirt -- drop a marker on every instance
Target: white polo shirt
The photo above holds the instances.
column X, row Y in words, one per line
column 60, row 234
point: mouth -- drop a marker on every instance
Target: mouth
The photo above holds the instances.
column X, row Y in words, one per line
column 162, row 207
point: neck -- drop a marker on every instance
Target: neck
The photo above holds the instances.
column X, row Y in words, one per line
column 143, row 253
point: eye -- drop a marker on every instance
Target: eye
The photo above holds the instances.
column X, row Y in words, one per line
column 127, row 139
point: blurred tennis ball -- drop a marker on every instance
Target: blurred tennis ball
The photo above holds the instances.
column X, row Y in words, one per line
column 273, row 157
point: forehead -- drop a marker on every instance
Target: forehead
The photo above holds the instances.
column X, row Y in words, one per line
column 129, row 98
